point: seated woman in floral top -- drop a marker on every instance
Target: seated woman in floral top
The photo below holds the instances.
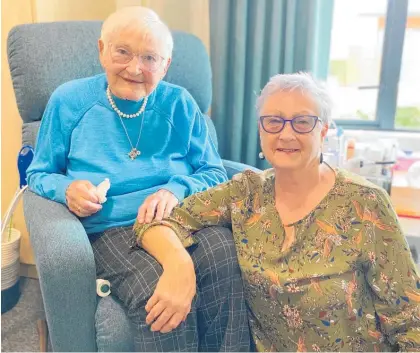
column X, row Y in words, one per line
column 325, row 264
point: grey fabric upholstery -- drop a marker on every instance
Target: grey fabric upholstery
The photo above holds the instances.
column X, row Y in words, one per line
column 66, row 268
column 30, row 132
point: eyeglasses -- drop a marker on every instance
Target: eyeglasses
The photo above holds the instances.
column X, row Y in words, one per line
column 300, row 124
column 121, row 55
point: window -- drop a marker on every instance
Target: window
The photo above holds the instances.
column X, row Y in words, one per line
column 374, row 71
column 408, row 102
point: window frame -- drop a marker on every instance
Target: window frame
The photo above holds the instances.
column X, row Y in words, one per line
column 392, row 52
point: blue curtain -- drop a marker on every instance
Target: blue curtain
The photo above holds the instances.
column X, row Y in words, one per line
column 250, row 41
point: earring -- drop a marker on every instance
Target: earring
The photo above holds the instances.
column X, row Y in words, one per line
column 321, row 158
column 261, row 155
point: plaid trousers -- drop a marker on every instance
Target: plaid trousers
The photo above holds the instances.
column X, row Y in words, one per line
column 218, row 321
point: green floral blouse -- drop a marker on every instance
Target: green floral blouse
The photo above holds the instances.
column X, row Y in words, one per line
column 347, row 283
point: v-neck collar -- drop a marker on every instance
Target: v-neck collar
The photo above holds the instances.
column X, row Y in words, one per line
column 271, row 199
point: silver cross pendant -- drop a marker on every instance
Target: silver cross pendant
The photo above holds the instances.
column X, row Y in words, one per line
column 134, row 153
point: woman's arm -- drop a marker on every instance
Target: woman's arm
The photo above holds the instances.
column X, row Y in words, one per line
column 175, row 291
column 207, row 166
column 47, row 172
column 209, row 208
column 392, row 275
column 165, row 240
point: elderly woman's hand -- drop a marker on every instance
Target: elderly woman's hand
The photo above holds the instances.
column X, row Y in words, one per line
column 157, row 206
column 171, row 301
column 82, row 199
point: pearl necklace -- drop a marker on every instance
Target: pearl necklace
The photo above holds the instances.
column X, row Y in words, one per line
column 134, row 152
column 119, row 112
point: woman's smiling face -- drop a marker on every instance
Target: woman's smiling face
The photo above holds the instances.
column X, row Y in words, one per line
column 289, row 149
column 133, row 80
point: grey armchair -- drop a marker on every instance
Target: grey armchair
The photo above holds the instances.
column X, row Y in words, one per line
column 41, row 57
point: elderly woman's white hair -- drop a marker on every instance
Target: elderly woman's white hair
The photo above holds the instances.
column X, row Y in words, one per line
column 306, row 84
column 141, row 17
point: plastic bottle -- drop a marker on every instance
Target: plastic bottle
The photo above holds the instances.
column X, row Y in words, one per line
column 350, row 149
column 332, row 149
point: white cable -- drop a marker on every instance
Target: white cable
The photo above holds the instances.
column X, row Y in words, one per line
column 12, row 208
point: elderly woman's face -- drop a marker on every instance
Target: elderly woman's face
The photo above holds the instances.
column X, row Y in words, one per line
column 289, row 149
column 134, row 62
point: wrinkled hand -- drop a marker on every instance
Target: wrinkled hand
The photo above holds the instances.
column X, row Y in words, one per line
column 81, row 198
column 171, row 301
column 157, row 206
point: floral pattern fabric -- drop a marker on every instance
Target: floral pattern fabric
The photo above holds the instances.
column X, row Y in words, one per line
column 347, row 282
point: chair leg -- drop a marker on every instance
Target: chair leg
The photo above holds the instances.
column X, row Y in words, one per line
column 42, row 329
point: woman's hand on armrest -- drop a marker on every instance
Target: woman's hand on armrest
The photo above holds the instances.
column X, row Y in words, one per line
column 171, row 302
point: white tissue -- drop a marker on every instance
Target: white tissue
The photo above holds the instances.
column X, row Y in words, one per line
column 102, row 189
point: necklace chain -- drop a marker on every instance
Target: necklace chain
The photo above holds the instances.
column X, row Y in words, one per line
column 119, row 112
column 134, row 152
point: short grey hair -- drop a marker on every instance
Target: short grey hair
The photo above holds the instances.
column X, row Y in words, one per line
column 138, row 16
column 306, row 84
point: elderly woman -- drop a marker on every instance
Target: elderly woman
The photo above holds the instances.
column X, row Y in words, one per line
column 325, row 264
column 149, row 138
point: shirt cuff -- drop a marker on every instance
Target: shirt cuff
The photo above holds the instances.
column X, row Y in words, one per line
column 60, row 190
column 180, row 191
column 187, row 238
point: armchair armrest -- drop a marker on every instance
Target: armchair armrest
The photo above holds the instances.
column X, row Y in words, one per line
column 233, row 168
column 67, row 273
